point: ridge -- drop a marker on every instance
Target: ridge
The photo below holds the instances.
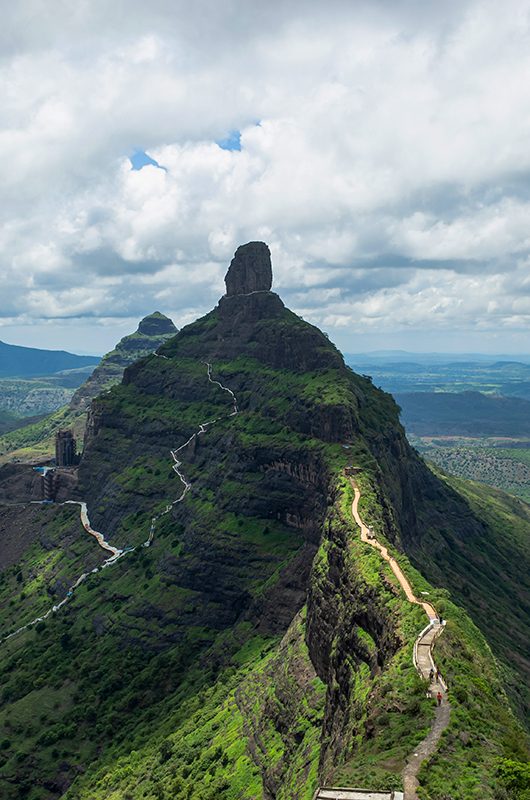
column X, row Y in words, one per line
column 257, row 647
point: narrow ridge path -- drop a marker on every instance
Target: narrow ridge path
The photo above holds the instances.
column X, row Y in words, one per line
column 117, row 553
column 369, row 538
column 85, row 521
column 423, row 660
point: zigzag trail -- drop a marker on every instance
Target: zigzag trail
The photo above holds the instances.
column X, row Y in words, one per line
column 117, row 553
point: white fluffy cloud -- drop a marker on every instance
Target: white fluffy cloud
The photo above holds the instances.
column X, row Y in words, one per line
column 384, row 157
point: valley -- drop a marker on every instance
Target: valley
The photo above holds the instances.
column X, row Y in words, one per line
column 470, row 418
column 506, row 468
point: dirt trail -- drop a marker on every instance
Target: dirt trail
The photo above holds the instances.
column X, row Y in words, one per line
column 423, row 660
column 368, row 537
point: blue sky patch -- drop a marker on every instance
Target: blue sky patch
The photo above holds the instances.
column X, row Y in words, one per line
column 231, row 142
column 140, row 159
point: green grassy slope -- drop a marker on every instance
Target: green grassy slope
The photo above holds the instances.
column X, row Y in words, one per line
column 182, row 722
column 193, row 669
column 392, row 706
column 147, row 620
column 483, row 559
column 36, row 440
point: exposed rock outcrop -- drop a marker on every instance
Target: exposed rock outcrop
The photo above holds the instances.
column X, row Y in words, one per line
column 250, row 270
column 157, row 324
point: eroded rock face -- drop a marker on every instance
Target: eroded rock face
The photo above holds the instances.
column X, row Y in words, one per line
column 250, row 270
column 156, row 324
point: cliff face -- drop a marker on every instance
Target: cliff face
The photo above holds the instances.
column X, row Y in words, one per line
column 250, row 270
column 263, row 471
column 254, row 647
column 302, row 411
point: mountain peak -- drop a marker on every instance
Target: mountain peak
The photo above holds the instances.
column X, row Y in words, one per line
column 153, row 331
column 250, row 270
column 156, row 324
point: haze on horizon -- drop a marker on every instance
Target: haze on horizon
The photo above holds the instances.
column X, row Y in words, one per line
column 381, row 149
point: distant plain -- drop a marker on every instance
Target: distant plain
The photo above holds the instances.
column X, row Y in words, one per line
column 470, row 415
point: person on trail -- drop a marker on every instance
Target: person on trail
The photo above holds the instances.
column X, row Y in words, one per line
column 431, row 675
column 439, row 698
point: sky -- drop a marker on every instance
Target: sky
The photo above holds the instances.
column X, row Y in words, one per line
column 381, row 149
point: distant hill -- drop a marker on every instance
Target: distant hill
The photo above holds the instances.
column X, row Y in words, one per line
column 404, row 356
column 29, row 362
column 152, row 331
column 36, row 440
column 464, row 414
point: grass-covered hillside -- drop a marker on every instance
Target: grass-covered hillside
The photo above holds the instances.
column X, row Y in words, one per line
column 256, row 648
column 388, row 713
column 36, row 439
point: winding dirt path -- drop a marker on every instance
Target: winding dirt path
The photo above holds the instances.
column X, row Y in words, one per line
column 85, row 521
column 423, row 660
column 368, row 537
column 117, row 553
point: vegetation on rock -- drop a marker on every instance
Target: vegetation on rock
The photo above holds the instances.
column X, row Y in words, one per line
column 36, row 440
column 258, row 647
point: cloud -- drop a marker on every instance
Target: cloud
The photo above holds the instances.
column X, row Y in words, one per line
column 383, row 156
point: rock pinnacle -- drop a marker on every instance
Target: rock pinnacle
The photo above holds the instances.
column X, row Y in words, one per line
column 250, row 270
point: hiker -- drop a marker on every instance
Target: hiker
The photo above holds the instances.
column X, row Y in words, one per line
column 439, row 698
column 431, row 675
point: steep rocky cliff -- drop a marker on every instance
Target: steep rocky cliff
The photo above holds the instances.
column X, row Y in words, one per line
column 254, row 648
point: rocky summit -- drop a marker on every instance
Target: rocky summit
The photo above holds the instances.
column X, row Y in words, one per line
column 37, row 439
column 247, row 640
column 250, row 270
column 157, row 324
column 152, row 331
